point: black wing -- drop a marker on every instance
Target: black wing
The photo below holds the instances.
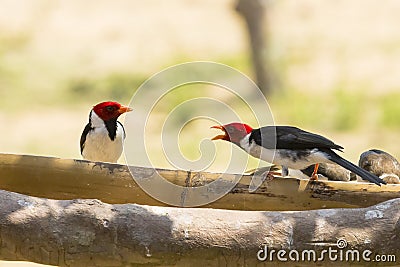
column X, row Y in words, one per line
column 288, row 137
column 87, row 129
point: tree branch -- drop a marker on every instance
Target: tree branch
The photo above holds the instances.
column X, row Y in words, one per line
column 57, row 178
column 92, row 233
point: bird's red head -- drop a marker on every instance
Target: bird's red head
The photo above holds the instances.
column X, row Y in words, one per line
column 233, row 132
column 110, row 110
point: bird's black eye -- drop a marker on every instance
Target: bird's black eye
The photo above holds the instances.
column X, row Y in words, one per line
column 110, row 108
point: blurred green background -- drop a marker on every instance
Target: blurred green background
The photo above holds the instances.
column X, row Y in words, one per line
column 335, row 65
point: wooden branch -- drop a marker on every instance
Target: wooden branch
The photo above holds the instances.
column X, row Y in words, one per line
column 112, row 183
column 92, row 233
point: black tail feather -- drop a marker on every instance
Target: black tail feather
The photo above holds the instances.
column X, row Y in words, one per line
column 354, row 168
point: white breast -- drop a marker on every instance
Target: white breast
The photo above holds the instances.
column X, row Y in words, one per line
column 256, row 150
column 99, row 146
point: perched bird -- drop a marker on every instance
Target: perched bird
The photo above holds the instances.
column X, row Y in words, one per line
column 382, row 164
column 103, row 137
column 289, row 147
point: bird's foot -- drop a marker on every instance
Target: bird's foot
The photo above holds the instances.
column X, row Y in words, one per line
column 259, row 178
column 263, row 170
column 269, row 176
column 314, row 175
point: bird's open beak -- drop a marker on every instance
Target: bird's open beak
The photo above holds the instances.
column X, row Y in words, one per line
column 221, row 136
column 124, row 109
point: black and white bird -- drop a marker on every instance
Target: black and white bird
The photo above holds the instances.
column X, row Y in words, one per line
column 289, row 147
column 103, row 137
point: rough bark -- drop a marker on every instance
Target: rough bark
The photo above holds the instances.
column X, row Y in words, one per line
column 92, row 233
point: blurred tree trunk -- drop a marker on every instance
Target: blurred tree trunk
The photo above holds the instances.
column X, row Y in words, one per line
column 253, row 12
